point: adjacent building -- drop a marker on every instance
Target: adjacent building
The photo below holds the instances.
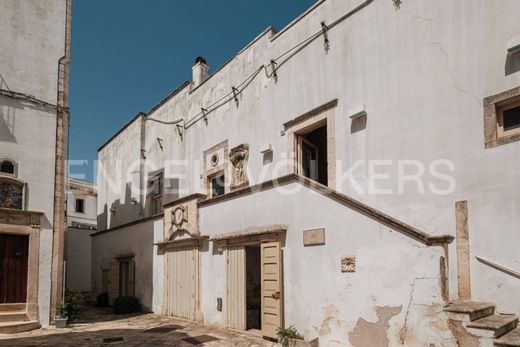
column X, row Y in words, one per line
column 81, row 222
column 349, row 175
column 34, row 65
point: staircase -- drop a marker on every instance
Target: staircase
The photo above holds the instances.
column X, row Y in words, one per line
column 482, row 323
column 13, row 319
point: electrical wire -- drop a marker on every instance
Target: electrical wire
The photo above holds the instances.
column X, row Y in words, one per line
column 276, row 64
column 31, row 99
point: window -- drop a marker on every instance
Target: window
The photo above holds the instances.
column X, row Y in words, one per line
column 509, row 119
column 312, row 154
column 7, row 167
column 502, row 118
column 155, row 188
column 11, row 194
column 217, row 185
column 80, row 205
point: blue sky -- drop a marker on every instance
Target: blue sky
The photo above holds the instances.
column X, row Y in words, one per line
column 127, row 55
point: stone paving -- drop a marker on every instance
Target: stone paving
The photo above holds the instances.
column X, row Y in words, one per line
column 101, row 328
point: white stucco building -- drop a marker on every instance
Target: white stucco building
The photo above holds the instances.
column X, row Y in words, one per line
column 34, row 63
column 81, row 222
column 349, row 175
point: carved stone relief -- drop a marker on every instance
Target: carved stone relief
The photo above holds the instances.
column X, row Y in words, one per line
column 238, row 157
column 348, row 264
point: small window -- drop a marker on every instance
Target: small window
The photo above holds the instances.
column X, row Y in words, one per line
column 509, row 116
column 7, row 167
column 155, row 188
column 217, row 185
column 80, row 205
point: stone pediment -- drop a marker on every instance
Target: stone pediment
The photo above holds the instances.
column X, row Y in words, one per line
column 181, row 218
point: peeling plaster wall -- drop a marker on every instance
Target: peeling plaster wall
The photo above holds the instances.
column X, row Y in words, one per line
column 396, row 278
column 32, row 42
column 422, row 72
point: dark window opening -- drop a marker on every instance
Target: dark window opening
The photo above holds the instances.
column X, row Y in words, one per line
column 511, row 118
column 80, row 205
column 7, row 167
column 253, row 288
column 124, row 278
column 314, row 155
column 218, row 186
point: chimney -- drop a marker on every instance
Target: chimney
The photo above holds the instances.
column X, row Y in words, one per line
column 200, row 72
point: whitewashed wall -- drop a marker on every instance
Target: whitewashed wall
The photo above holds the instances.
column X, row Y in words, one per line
column 422, row 72
column 32, row 42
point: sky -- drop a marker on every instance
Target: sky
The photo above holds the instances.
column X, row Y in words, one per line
column 127, row 55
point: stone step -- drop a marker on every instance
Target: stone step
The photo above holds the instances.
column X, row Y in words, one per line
column 496, row 325
column 14, row 316
column 18, row 327
column 13, row 307
column 469, row 311
column 511, row 339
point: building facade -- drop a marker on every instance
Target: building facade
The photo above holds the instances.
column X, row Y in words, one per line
column 34, row 62
column 350, row 174
column 81, row 222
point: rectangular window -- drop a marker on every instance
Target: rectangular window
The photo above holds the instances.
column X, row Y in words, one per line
column 155, row 187
column 80, row 205
column 217, row 185
column 508, row 118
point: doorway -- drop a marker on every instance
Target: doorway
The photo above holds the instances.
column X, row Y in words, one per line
column 312, row 153
column 253, row 288
column 14, row 252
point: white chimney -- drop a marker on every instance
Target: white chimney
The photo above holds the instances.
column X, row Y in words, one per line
column 200, row 72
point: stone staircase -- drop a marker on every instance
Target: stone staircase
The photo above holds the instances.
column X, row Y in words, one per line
column 13, row 319
column 480, row 323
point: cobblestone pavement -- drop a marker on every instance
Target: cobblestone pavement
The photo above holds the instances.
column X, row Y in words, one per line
column 101, row 328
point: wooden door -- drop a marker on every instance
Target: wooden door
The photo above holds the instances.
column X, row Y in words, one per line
column 236, row 287
column 271, row 260
column 14, row 252
column 181, row 279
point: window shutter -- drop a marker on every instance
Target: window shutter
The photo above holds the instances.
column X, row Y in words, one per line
column 131, row 278
column 113, row 282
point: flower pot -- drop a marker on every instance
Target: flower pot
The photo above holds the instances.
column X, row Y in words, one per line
column 60, row 322
column 304, row 343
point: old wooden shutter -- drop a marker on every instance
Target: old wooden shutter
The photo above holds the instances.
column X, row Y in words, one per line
column 131, row 277
column 236, row 287
column 271, row 288
column 113, row 282
column 181, row 282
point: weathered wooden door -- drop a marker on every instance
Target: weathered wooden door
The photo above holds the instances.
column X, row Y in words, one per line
column 272, row 317
column 14, row 252
column 181, row 293
column 236, row 287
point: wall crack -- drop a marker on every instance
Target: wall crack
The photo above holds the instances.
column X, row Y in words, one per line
column 404, row 329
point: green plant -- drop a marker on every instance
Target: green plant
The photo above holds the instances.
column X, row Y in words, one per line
column 102, row 300
column 73, row 302
column 60, row 311
column 287, row 334
column 126, row 304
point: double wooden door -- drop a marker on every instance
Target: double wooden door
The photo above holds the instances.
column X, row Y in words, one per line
column 14, row 252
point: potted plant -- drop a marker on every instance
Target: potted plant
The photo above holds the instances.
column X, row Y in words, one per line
column 289, row 337
column 60, row 319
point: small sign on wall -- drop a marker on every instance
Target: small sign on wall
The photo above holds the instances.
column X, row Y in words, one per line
column 314, row 237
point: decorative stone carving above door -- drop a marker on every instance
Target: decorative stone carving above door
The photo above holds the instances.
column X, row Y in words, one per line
column 238, row 157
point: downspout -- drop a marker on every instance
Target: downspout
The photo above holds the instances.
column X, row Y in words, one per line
column 62, row 129
column 142, row 165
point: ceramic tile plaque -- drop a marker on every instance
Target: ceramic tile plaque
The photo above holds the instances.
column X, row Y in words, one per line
column 348, row 264
column 314, row 237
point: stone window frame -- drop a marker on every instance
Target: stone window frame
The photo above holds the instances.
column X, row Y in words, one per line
column 15, row 166
column 320, row 116
column 221, row 168
column 493, row 106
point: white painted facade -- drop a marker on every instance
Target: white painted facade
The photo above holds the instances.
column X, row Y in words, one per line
column 81, row 221
column 31, row 45
column 421, row 74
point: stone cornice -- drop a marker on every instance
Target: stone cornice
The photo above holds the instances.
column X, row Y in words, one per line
column 20, row 217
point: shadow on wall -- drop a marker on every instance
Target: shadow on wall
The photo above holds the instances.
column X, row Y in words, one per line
column 120, row 213
column 512, row 63
column 8, row 109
